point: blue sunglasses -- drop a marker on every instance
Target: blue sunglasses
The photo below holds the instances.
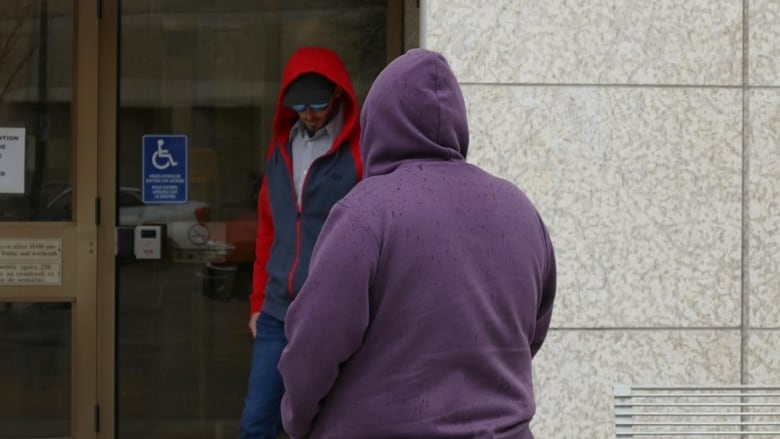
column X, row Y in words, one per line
column 300, row 108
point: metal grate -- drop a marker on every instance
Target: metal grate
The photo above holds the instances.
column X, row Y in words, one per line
column 738, row 411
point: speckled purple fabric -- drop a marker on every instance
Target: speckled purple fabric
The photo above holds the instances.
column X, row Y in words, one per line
column 431, row 285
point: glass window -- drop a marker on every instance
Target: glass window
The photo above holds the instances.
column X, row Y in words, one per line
column 209, row 70
column 36, row 39
column 35, row 358
column 129, row 198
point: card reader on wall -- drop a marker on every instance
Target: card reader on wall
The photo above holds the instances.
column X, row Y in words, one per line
column 147, row 241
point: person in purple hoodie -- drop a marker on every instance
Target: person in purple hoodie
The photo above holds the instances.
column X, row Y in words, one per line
column 431, row 285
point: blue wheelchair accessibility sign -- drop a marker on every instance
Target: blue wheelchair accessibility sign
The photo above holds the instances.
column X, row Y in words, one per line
column 164, row 169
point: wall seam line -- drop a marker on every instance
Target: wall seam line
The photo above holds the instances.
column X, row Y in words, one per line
column 745, row 266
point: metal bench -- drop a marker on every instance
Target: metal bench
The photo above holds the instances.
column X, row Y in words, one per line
column 738, row 411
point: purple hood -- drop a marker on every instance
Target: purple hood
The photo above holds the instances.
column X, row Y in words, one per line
column 436, row 128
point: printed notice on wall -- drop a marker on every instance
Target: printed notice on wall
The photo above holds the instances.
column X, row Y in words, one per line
column 12, row 160
column 31, row 262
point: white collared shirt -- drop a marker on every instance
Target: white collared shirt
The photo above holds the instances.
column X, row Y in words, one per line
column 305, row 149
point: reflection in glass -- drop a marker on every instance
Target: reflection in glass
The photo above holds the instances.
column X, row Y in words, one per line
column 35, row 357
column 209, row 70
column 36, row 39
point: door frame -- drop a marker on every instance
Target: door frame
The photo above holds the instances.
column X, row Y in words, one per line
column 79, row 236
column 87, row 219
column 106, row 133
column 99, row 44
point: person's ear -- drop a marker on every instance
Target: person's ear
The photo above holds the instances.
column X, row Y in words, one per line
column 337, row 92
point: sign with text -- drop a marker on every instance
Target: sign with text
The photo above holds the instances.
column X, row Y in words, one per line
column 164, row 169
column 29, row 262
column 12, row 160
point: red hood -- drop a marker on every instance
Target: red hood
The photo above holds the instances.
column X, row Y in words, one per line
column 328, row 64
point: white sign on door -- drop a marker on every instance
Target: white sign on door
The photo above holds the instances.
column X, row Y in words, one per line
column 12, row 160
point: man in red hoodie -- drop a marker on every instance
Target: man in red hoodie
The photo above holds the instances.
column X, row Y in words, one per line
column 313, row 161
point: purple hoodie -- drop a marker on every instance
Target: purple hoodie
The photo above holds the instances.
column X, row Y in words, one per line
column 430, row 287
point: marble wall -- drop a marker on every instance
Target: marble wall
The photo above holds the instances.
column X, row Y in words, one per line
column 648, row 135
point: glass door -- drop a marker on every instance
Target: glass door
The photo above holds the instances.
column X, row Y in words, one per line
column 48, row 218
column 198, row 81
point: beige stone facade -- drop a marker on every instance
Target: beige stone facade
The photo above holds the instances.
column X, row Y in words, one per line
column 648, row 134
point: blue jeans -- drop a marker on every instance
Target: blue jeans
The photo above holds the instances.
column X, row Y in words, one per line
column 262, row 418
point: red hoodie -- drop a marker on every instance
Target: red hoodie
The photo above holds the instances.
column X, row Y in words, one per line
column 276, row 280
